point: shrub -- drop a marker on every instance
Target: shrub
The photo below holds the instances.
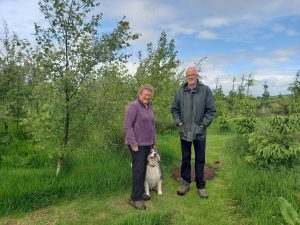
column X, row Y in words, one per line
column 275, row 142
column 244, row 124
column 223, row 122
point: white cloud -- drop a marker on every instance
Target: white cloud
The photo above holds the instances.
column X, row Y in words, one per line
column 180, row 29
column 145, row 16
column 239, row 29
column 290, row 32
column 21, row 16
column 277, row 28
column 214, row 22
column 287, row 52
column 206, row 34
column 275, row 71
column 132, row 67
column 282, row 29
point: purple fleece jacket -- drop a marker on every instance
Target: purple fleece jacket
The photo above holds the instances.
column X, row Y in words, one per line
column 139, row 125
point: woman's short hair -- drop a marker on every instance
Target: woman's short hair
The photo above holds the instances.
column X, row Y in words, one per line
column 146, row 87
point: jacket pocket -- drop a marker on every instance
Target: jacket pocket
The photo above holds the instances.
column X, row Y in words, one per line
column 181, row 128
column 200, row 129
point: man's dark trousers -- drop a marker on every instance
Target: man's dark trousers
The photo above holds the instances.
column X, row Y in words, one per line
column 139, row 165
column 199, row 147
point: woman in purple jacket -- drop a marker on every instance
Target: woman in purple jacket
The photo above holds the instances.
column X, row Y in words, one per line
column 140, row 138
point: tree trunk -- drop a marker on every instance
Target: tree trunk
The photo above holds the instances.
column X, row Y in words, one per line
column 66, row 135
column 5, row 127
column 60, row 162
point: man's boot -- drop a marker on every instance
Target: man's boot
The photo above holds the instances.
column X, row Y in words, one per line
column 202, row 193
column 184, row 188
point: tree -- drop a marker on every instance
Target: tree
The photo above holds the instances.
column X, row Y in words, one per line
column 13, row 78
column 275, row 142
column 160, row 69
column 245, row 107
column 71, row 51
column 242, row 86
column 249, row 82
column 295, row 98
column 295, row 86
column 265, row 96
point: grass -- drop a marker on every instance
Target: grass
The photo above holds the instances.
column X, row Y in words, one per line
column 257, row 190
column 87, row 173
column 97, row 192
column 94, row 188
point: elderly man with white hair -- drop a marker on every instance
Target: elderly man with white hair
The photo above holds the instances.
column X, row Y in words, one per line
column 193, row 110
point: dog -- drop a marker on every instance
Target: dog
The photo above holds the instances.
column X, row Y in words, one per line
column 153, row 179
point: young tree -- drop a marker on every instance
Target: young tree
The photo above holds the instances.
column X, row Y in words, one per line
column 160, row 68
column 295, row 86
column 245, row 107
column 265, row 97
column 71, row 50
column 250, row 81
column 295, row 98
column 13, row 83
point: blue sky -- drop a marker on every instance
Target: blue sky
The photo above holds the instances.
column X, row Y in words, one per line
column 261, row 37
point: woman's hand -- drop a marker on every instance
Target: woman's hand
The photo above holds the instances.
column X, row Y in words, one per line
column 135, row 149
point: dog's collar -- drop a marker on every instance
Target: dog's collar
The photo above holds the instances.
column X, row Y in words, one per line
column 152, row 165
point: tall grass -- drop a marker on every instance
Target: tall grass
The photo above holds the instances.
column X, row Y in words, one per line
column 85, row 173
column 257, row 190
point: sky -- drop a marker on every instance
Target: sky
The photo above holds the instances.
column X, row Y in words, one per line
column 261, row 37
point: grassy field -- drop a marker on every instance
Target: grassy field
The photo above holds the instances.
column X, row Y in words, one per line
column 107, row 204
column 257, row 190
column 94, row 188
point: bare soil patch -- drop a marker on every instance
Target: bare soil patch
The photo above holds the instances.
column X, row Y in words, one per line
column 209, row 171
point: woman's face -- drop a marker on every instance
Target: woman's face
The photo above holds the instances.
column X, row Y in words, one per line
column 145, row 96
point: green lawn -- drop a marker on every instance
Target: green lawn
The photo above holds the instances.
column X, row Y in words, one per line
column 166, row 209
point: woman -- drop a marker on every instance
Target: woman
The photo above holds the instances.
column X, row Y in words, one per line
column 140, row 138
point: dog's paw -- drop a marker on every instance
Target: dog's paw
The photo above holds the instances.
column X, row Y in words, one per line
column 159, row 193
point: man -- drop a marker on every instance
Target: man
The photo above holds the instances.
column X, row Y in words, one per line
column 193, row 110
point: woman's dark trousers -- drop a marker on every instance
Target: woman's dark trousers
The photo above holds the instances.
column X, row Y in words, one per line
column 139, row 165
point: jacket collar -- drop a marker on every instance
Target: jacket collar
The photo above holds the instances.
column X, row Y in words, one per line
column 141, row 103
column 196, row 89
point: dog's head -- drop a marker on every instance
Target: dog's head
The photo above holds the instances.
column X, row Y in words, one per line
column 153, row 158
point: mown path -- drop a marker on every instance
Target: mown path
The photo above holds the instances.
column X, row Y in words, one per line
column 166, row 209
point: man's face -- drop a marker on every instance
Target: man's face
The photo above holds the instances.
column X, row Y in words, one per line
column 145, row 96
column 191, row 77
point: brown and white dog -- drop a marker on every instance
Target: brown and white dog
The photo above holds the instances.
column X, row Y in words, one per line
column 153, row 179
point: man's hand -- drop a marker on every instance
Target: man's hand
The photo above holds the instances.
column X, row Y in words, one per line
column 135, row 148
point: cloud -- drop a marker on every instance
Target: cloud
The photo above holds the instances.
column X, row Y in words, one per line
column 214, row 22
column 290, row 32
column 21, row 16
column 274, row 67
column 206, row 34
column 145, row 16
column 278, row 58
column 238, row 37
column 176, row 28
column 278, row 28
